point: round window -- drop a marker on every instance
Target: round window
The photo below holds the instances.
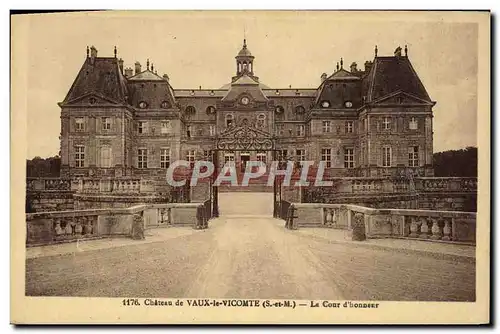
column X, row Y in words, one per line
column 325, row 104
column 165, row 105
column 143, row 105
column 348, row 104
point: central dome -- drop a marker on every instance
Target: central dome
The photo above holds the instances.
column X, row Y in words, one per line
column 244, row 52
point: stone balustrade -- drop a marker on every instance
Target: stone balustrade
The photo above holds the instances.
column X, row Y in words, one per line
column 451, row 226
column 447, row 184
column 132, row 185
column 61, row 226
column 47, row 184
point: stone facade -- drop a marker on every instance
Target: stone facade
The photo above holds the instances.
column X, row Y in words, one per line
column 375, row 121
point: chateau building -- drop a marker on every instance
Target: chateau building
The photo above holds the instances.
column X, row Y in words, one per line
column 374, row 121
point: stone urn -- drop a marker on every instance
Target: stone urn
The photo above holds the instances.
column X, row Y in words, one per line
column 358, row 227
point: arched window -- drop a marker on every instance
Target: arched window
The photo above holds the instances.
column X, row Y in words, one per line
column 190, row 110
column 105, row 157
column 250, row 65
column 300, row 110
column 239, row 67
column 261, row 120
column 229, row 120
column 210, row 110
column 244, row 66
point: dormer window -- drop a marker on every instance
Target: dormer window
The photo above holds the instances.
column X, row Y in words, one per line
column 325, row 104
column 143, row 105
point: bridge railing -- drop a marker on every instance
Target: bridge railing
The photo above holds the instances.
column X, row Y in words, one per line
column 450, row 226
column 62, row 226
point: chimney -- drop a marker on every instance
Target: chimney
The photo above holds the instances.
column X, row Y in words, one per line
column 165, row 76
column 120, row 64
column 397, row 52
column 129, row 72
column 354, row 67
column 368, row 66
column 137, row 67
column 323, row 77
column 93, row 54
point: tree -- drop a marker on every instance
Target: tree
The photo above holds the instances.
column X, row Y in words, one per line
column 460, row 163
column 39, row 167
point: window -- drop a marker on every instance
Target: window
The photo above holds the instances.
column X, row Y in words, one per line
column 326, row 155
column 349, row 127
column 301, row 154
column 189, row 131
column 79, row 124
column 142, row 127
column 386, row 156
column 106, row 123
column 165, row 127
column 365, row 124
column 413, row 124
column 363, row 152
column 348, row 158
column 191, row 157
column 105, row 157
column 229, row 120
column 164, row 158
column 261, row 156
column 228, row 157
column 279, row 129
column 386, row 123
column 142, row 158
column 327, row 126
column 80, row 156
column 261, row 120
column 413, row 156
column 212, row 129
column 300, row 130
column 282, row 154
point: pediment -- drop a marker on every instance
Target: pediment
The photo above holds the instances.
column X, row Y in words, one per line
column 91, row 99
column 402, row 98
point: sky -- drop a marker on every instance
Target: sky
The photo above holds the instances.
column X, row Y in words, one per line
column 290, row 48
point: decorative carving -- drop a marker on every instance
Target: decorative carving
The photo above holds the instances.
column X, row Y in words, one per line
column 244, row 137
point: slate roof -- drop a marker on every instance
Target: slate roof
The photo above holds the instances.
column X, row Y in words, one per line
column 146, row 76
column 99, row 75
column 261, row 85
column 245, row 84
column 153, row 92
column 390, row 74
column 343, row 75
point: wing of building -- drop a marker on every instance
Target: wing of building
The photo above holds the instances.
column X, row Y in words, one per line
column 362, row 122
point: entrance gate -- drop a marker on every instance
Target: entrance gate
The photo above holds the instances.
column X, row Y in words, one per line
column 242, row 138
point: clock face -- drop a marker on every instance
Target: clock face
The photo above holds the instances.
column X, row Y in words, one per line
column 245, row 100
column 348, row 104
column 325, row 104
